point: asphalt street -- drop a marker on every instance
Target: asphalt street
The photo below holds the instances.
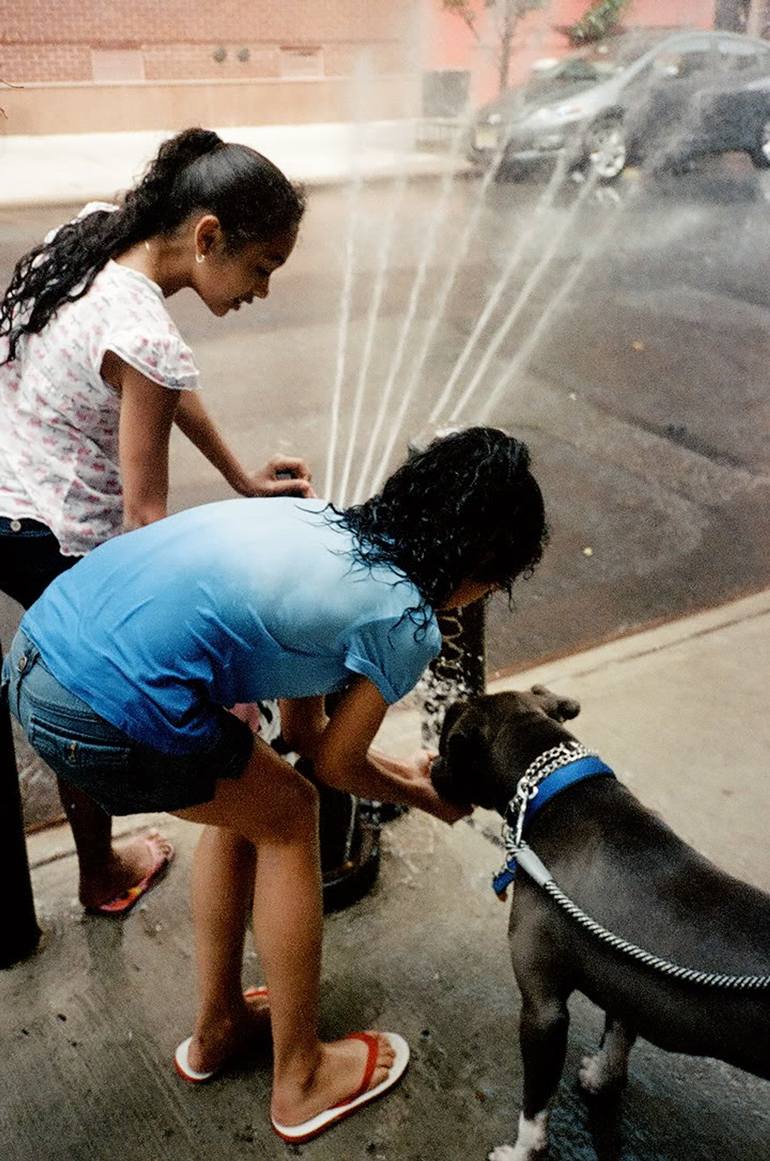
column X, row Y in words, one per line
column 642, row 390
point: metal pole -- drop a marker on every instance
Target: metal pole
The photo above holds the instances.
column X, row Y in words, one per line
column 459, row 671
column 19, row 933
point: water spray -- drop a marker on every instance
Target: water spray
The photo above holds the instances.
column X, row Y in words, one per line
column 386, row 241
column 526, row 292
column 523, row 240
column 427, row 253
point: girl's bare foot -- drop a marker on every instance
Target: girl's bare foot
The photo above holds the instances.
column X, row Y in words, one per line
column 336, row 1077
column 219, row 1039
column 126, row 867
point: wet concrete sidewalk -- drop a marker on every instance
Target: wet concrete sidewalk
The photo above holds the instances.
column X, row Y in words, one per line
column 89, row 1024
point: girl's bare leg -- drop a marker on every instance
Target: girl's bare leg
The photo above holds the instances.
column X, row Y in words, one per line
column 222, row 882
column 277, row 810
column 106, row 871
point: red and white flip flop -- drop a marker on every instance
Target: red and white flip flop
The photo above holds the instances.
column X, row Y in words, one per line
column 297, row 1134
column 182, row 1054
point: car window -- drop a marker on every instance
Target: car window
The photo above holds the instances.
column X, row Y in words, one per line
column 580, row 69
column 568, row 72
column 594, row 63
column 692, row 58
column 738, row 57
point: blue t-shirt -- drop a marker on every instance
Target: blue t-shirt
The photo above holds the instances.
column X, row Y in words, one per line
column 229, row 602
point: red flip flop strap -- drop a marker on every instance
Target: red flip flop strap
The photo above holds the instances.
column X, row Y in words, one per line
column 372, row 1045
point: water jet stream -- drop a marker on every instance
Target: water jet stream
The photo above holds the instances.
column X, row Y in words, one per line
column 386, row 241
column 354, row 195
column 523, row 355
column 361, row 78
column 437, row 315
column 523, row 298
column 545, row 200
column 427, row 253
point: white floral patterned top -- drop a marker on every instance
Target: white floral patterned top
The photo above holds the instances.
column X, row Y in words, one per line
column 59, row 419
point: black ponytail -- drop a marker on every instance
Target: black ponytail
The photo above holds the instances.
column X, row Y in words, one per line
column 253, row 200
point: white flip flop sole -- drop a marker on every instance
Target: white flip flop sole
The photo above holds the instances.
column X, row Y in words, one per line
column 182, row 1054
column 296, row 1134
column 185, row 1069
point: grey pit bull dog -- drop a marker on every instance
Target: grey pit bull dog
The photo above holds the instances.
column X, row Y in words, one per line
column 626, row 869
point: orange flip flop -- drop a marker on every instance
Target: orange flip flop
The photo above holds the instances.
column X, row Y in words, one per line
column 122, row 904
column 297, row 1134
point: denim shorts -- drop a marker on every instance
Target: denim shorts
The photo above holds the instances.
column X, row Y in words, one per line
column 124, row 776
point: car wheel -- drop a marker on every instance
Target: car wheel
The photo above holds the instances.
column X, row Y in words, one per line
column 761, row 154
column 606, row 149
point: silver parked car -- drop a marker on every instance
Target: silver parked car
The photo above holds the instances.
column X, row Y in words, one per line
column 659, row 97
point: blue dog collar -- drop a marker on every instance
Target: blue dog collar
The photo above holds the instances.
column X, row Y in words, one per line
column 560, row 779
column 563, row 778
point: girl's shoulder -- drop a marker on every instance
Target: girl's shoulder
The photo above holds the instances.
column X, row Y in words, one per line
column 122, row 284
column 135, row 324
column 116, row 297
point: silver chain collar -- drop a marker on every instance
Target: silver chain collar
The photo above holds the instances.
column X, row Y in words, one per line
column 527, row 787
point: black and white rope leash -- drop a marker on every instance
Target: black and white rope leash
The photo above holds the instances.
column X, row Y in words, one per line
column 540, row 874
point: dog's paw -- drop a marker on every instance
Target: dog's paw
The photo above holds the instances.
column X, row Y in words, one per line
column 531, row 1142
column 592, row 1074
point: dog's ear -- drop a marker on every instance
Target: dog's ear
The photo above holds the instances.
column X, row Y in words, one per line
column 453, row 712
column 561, row 709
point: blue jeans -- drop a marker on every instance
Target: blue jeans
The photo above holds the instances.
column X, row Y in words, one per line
column 124, row 776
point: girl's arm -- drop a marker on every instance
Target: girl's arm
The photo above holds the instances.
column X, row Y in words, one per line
column 343, row 759
column 146, row 414
column 303, row 721
column 196, row 424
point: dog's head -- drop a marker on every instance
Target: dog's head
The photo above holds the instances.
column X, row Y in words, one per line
column 488, row 742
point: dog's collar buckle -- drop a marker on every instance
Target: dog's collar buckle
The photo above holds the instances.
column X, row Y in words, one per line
column 504, row 877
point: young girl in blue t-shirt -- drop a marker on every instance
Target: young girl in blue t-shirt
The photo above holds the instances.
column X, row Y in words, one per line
column 119, row 673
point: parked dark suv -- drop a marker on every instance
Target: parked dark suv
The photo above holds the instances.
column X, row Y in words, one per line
column 660, row 97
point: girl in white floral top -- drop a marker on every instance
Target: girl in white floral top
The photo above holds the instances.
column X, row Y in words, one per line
column 93, row 372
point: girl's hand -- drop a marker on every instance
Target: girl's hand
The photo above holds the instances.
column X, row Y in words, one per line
column 428, row 797
column 281, row 476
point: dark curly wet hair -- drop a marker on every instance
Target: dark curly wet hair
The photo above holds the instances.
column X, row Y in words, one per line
column 194, row 171
column 465, row 508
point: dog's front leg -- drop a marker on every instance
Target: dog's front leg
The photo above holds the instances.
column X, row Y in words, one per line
column 607, row 1070
column 543, row 1037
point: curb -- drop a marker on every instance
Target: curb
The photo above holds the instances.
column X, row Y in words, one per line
column 402, row 728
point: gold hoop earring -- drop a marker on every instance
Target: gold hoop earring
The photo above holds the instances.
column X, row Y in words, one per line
column 199, row 257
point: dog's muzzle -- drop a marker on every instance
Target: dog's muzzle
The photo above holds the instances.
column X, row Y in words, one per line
column 442, row 781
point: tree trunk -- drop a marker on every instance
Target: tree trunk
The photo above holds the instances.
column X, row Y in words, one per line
column 731, row 15
column 755, row 23
column 509, row 21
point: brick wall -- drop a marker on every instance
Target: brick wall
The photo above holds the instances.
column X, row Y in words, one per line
column 51, row 40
